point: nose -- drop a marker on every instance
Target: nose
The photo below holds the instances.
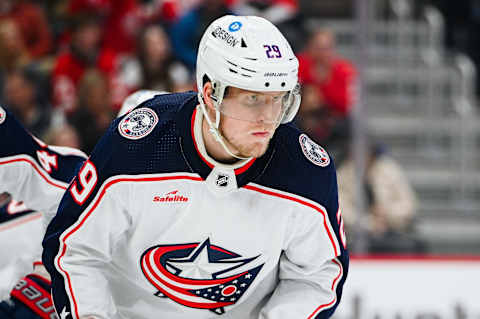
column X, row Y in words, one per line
column 267, row 113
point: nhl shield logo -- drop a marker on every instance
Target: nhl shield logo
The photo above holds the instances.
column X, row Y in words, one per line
column 138, row 123
column 3, row 115
column 222, row 180
column 314, row 152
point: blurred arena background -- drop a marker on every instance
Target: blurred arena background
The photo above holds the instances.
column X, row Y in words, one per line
column 389, row 88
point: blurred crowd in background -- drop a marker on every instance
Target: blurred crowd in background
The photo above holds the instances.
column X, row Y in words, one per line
column 67, row 65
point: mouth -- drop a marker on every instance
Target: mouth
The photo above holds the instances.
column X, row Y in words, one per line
column 261, row 134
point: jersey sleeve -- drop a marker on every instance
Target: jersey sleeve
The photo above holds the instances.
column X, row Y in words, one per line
column 34, row 176
column 79, row 241
column 314, row 264
column 30, row 170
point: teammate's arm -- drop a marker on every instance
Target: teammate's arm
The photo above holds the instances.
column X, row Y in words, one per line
column 32, row 171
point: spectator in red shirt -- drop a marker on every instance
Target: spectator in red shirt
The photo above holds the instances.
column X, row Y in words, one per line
column 333, row 76
column 96, row 7
column 84, row 52
column 327, row 82
column 32, row 23
column 124, row 19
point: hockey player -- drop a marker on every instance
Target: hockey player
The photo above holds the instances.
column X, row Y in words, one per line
column 33, row 178
column 25, row 170
column 208, row 205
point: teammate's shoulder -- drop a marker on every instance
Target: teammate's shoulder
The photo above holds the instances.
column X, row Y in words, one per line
column 301, row 150
column 67, row 151
column 15, row 139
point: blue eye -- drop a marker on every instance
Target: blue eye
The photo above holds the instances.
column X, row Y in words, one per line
column 252, row 99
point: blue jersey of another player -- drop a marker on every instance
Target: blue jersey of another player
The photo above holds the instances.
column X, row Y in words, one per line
column 33, row 178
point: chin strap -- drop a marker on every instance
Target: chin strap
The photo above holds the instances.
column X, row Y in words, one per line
column 214, row 129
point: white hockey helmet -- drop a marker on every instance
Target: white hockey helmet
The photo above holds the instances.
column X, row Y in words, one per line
column 249, row 53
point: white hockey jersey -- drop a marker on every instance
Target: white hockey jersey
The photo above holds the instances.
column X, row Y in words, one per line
column 33, row 178
column 153, row 228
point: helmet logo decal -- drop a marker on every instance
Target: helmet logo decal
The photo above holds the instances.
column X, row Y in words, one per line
column 138, row 123
column 221, row 34
column 234, row 26
column 314, row 152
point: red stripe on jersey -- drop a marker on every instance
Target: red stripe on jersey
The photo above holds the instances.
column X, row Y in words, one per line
column 195, row 142
column 245, row 167
column 34, row 165
column 221, row 249
column 320, row 210
column 297, row 200
column 339, row 274
column 97, row 202
column 181, row 291
column 335, row 281
column 157, row 277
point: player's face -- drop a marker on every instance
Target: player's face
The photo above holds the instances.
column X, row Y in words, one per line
column 249, row 120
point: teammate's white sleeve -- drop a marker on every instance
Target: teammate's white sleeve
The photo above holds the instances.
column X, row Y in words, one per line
column 35, row 176
column 22, row 177
column 309, row 274
column 86, row 248
column 32, row 171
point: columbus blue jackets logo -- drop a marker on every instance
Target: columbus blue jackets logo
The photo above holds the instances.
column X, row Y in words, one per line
column 314, row 152
column 199, row 275
column 3, row 115
column 138, row 123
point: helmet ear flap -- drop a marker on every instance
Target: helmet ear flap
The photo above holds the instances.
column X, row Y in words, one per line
column 218, row 91
column 294, row 105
